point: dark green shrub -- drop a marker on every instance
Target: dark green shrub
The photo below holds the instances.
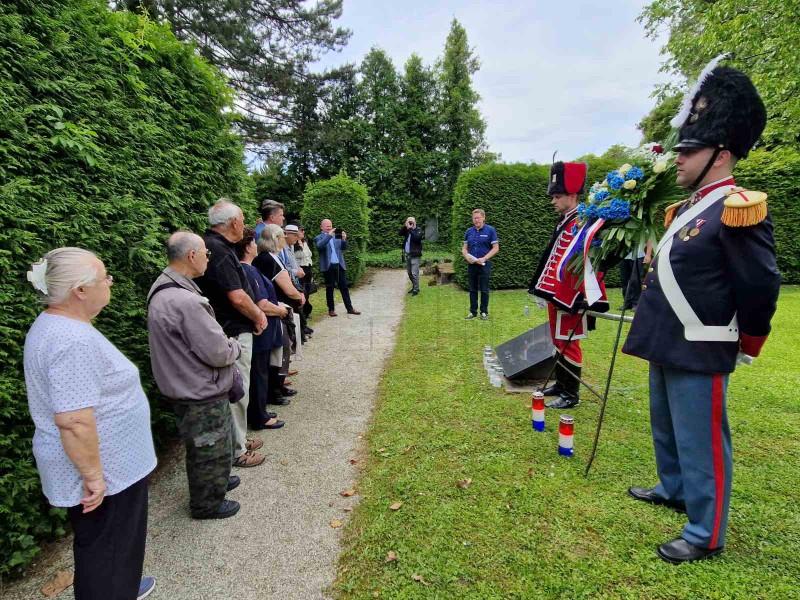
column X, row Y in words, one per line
column 111, row 135
column 344, row 201
column 777, row 173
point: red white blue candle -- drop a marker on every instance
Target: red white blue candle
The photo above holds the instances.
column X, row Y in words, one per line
column 537, row 411
column 566, row 434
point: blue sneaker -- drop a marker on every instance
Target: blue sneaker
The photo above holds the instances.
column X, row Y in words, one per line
column 147, row 585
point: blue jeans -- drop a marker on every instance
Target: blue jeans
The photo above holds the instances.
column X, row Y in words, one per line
column 692, row 441
column 479, row 281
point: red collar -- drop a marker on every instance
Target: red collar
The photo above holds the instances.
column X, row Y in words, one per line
column 707, row 189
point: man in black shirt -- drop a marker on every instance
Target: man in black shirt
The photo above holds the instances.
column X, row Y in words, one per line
column 227, row 289
column 412, row 251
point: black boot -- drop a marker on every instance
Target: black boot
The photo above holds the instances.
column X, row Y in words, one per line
column 558, row 387
column 569, row 397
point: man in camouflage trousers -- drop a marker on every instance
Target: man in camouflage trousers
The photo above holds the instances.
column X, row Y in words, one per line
column 193, row 365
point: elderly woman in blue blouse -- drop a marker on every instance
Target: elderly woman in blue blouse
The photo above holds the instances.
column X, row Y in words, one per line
column 93, row 445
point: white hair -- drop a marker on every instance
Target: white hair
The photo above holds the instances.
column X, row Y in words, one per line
column 67, row 270
column 268, row 242
column 181, row 243
column 223, row 212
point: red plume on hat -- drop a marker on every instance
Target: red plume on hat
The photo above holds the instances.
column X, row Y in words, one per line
column 567, row 178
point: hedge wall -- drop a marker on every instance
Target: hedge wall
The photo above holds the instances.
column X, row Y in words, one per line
column 778, row 174
column 111, row 134
column 345, row 202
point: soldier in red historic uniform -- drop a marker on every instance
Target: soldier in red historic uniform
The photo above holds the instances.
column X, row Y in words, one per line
column 560, row 288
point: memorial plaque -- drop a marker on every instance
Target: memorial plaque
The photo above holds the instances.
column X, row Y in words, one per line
column 528, row 356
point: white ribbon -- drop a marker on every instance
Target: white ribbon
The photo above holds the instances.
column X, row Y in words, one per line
column 37, row 275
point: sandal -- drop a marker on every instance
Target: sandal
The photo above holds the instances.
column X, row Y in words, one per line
column 254, row 444
column 249, row 459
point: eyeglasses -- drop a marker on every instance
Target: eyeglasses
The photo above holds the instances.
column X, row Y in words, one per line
column 108, row 279
column 208, row 253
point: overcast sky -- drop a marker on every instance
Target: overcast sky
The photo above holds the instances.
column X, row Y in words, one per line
column 570, row 75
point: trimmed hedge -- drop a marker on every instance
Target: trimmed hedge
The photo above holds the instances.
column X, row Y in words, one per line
column 778, row 174
column 345, row 202
column 112, row 134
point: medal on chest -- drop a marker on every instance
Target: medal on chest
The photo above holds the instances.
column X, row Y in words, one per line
column 687, row 233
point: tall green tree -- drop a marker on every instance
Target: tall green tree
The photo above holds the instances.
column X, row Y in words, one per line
column 462, row 123
column 764, row 37
column 379, row 91
column 264, row 47
column 655, row 125
column 421, row 164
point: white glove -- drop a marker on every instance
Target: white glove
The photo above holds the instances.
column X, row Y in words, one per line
column 743, row 359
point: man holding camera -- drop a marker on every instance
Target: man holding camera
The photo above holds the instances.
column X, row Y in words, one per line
column 412, row 251
column 331, row 244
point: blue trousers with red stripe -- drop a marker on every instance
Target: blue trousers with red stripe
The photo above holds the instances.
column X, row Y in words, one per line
column 692, row 441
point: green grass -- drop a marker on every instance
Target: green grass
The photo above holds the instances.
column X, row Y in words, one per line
column 530, row 525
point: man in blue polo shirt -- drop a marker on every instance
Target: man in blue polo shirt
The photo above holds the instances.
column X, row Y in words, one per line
column 480, row 245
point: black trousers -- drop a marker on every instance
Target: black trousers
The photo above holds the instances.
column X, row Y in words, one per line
column 334, row 276
column 631, row 273
column 259, row 391
column 306, row 309
column 109, row 545
column 478, row 276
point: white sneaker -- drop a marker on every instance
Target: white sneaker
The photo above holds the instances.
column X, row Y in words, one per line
column 470, row 316
column 484, row 317
column 146, row 586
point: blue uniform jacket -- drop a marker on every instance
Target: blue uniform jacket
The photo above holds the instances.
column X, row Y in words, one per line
column 322, row 241
column 722, row 271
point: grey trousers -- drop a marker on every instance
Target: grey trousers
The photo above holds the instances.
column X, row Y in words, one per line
column 412, row 267
column 239, row 410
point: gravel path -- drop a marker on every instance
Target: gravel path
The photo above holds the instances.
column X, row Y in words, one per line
column 280, row 545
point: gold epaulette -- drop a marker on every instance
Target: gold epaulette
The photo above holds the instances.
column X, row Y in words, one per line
column 744, row 208
column 669, row 213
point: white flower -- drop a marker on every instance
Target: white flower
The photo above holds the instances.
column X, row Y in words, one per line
column 591, row 198
column 630, row 184
column 659, row 166
column 37, row 275
column 624, row 169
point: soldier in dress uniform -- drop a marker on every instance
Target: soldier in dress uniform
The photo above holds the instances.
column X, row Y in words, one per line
column 706, row 307
column 558, row 286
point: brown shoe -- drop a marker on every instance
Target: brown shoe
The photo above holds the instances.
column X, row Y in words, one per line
column 253, row 445
column 292, row 372
column 249, row 459
column 353, row 311
column 332, row 313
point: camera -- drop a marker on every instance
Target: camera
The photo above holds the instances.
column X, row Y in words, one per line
column 338, row 232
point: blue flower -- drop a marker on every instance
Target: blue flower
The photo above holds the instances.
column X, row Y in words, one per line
column 634, row 173
column 574, row 229
column 597, row 243
column 616, row 209
column 587, row 212
column 601, row 195
column 616, row 182
column 611, row 176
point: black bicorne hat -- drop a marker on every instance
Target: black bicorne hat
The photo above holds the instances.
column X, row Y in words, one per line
column 726, row 113
column 567, row 178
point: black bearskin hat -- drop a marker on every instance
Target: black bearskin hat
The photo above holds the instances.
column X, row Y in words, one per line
column 567, row 178
column 726, row 113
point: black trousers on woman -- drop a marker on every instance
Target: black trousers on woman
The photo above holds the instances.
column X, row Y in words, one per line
column 109, row 545
column 259, row 390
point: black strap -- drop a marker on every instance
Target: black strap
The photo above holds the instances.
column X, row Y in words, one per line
column 163, row 286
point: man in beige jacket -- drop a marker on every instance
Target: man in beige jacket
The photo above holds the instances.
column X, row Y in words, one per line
column 193, row 365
